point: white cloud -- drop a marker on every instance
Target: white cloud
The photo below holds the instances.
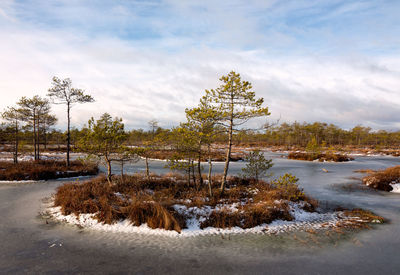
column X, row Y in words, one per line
column 139, row 81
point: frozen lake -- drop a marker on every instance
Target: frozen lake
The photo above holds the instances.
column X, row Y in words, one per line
column 29, row 244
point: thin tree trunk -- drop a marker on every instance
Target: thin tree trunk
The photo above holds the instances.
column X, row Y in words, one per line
column 68, row 132
column 34, row 134
column 38, row 138
column 193, row 175
column 108, row 170
column 199, row 171
column 209, row 176
column 147, row 168
column 228, row 156
column 45, row 137
column 16, row 143
column 188, row 173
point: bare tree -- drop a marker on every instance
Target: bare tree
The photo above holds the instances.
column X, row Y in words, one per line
column 62, row 92
column 13, row 116
column 32, row 110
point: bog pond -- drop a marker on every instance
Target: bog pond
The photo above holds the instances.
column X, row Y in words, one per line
column 31, row 243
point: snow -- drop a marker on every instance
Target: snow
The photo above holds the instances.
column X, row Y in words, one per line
column 30, row 158
column 20, row 181
column 303, row 220
column 36, row 181
column 396, row 188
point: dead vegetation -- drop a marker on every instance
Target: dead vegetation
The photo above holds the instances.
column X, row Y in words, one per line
column 154, row 202
column 383, row 179
column 336, row 157
column 364, row 215
column 44, row 170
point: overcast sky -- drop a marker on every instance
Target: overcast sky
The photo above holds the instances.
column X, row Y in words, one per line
column 333, row 61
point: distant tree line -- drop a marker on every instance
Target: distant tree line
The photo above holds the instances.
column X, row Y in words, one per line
column 295, row 134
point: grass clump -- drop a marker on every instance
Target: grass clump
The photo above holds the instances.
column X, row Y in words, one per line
column 335, row 157
column 383, row 179
column 44, row 170
column 364, row 215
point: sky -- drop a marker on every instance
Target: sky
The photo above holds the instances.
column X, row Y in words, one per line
column 336, row 61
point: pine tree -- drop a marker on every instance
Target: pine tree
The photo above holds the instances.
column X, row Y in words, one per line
column 236, row 105
column 62, row 92
column 201, row 121
column 257, row 166
column 104, row 139
column 33, row 110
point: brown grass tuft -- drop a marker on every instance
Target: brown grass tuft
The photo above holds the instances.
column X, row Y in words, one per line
column 381, row 180
column 320, row 157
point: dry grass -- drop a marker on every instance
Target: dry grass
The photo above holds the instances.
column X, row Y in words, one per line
column 44, row 170
column 320, row 157
column 141, row 201
column 248, row 216
column 364, row 215
column 381, row 180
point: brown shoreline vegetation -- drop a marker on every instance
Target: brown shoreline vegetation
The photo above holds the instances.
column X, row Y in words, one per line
column 141, row 201
column 154, row 202
column 320, row 157
column 382, row 179
column 45, row 170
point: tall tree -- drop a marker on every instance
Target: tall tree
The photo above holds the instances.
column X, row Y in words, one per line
column 104, row 139
column 13, row 116
column 201, row 121
column 32, row 111
column 62, row 92
column 150, row 145
column 236, row 105
column 183, row 141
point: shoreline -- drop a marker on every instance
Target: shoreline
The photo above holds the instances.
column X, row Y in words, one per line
column 304, row 221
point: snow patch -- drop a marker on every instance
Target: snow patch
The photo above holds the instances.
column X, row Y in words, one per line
column 396, row 188
column 303, row 220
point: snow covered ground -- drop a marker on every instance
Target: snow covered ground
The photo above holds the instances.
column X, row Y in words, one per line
column 303, row 220
column 396, row 188
column 7, row 156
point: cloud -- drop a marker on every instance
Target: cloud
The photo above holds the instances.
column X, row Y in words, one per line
column 140, row 77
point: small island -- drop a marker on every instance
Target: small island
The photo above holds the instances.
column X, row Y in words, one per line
column 334, row 157
column 45, row 170
column 385, row 180
column 169, row 205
